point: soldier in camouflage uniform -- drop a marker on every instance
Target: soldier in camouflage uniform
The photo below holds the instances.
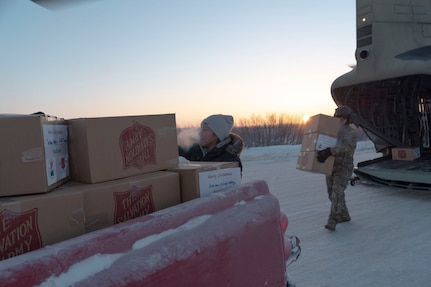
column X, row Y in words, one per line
column 343, row 167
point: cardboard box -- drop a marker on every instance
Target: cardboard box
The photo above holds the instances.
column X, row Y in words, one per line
column 322, row 124
column 406, row 153
column 103, row 149
column 33, row 154
column 204, row 178
column 307, row 161
column 316, row 141
column 115, row 201
column 30, row 222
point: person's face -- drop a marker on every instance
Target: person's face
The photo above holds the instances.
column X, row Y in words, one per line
column 343, row 120
column 207, row 138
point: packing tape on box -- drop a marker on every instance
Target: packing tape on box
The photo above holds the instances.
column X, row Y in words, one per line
column 77, row 217
column 33, row 154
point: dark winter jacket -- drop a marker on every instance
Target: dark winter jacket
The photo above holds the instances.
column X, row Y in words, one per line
column 226, row 151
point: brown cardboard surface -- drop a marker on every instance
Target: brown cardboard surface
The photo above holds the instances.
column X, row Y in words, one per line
column 189, row 175
column 322, row 124
column 115, row 201
column 406, row 153
column 33, row 154
column 316, row 141
column 29, row 222
column 103, row 149
column 307, row 161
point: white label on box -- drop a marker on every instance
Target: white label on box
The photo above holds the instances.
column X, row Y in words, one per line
column 324, row 141
column 219, row 179
column 56, row 152
column 416, row 153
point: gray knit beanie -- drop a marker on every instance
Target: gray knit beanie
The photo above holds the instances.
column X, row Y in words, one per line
column 221, row 125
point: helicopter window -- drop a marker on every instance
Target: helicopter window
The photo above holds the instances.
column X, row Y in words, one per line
column 364, row 36
column 364, row 42
column 365, row 31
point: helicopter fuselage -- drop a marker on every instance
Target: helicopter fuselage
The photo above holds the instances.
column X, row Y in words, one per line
column 389, row 89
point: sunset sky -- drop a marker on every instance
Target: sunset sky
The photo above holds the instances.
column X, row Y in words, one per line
column 191, row 58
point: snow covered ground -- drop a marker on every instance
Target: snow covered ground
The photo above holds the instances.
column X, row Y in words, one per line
column 387, row 243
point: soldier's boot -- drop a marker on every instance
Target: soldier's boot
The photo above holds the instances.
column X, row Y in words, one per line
column 343, row 215
column 331, row 224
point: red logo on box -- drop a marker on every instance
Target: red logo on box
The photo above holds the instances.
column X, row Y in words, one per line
column 133, row 203
column 402, row 153
column 19, row 233
column 138, row 146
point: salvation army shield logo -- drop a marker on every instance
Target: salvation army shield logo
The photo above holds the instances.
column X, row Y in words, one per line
column 138, row 146
column 19, row 232
column 402, row 154
column 133, row 203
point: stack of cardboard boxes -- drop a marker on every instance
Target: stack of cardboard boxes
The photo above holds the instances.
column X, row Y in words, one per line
column 119, row 163
column 62, row 178
column 320, row 133
column 34, row 160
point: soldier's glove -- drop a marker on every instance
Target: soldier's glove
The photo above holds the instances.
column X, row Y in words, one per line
column 323, row 155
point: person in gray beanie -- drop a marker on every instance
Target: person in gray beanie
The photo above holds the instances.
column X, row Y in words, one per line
column 216, row 142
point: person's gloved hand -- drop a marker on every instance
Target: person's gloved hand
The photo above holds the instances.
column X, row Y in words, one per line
column 323, row 155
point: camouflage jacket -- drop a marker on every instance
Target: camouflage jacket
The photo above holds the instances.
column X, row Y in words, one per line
column 344, row 150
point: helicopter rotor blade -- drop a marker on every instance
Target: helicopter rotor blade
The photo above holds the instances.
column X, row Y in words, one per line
column 60, row 4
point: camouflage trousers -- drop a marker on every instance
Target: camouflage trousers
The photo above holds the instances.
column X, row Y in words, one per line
column 336, row 185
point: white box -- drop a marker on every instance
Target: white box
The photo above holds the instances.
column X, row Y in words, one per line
column 406, row 153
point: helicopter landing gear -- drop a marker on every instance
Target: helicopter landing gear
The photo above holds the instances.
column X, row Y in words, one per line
column 353, row 180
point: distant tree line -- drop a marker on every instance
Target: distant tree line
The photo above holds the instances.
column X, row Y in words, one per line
column 273, row 129
column 269, row 130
